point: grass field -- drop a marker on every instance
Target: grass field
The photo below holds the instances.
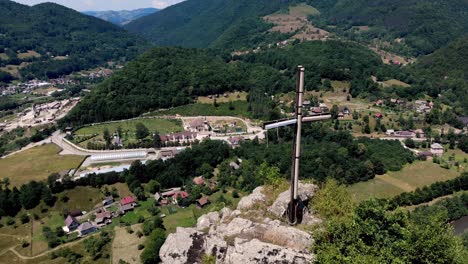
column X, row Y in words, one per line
column 3, row 56
column 36, row 164
column 394, row 82
column 303, row 10
column 231, row 97
column 240, row 110
column 187, row 217
column 125, row 245
column 411, row 177
column 163, row 126
column 29, row 54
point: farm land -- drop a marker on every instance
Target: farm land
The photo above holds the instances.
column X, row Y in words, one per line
column 35, row 164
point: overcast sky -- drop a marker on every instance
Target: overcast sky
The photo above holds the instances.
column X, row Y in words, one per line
column 99, row 5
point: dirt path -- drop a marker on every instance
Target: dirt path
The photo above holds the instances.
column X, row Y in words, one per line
column 12, row 249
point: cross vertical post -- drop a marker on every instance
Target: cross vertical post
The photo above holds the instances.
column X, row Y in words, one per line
column 296, row 207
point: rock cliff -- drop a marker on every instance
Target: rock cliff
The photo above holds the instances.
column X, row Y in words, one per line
column 253, row 233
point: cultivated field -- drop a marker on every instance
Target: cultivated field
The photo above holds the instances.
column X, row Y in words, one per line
column 36, row 164
column 296, row 22
column 238, row 108
column 163, row 126
column 411, row 177
column 125, row 245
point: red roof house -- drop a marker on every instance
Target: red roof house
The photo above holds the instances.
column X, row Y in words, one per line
column 182, row 195
column 127, row 200
column 198, row 181
column 378, row 115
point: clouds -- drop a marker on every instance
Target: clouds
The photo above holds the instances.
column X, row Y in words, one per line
column 99, row 5
column 160, row 4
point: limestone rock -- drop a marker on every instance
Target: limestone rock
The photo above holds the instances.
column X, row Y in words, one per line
column 239, row 237
column 205, row 221
column 305, row 192
column 177, row 246
column 255, row 251
column 249, row 201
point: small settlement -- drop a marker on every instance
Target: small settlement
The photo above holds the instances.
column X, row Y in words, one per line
column 81, row 223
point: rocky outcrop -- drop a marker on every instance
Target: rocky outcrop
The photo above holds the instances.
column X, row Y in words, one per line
column 249, row 201
column 236, row 237
column 305, row 192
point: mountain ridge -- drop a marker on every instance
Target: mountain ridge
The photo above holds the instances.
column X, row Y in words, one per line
column 121, row 17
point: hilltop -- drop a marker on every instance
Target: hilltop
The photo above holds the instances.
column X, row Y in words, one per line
column 38, row 42
column 121, row 17
column 413, row 27
column 408, row 27
column 199, row 23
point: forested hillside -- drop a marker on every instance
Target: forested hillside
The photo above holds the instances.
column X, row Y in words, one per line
column 60, row 39
column 422, row 25
column 411, row 27
column 168, row 77
column 445, row 72
column 199, row 23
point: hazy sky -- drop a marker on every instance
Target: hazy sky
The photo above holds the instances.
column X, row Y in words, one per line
column 98, row 5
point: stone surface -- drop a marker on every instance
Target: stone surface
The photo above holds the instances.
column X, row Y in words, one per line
column 234, row 237
column 306, row 192
column 205, row 221
column 255, row 251
column 249, row 201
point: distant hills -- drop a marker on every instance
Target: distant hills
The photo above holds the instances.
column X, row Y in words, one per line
column 122, row 17
column 49, row 40
column 445, row 73
column 421, row 26
column 199, row 23
column 411, row 27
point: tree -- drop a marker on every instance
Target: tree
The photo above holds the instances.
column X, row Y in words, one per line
column 334, row 111
column 463, row 143
column 153, row 186
column 107, row 137
column 154, row 242
column 410, row 143
column 141, row 131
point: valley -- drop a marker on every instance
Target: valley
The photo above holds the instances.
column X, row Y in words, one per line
column 139, row 136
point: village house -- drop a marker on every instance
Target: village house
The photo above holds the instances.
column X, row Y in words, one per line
column 235, row 141
column 437, row 149
column 404, row 134
column 171, row 195
column 103, row 218
column 378, row 116
column 202, row 202
column 198, row 181
column 199, row 125
column 315, row 111
column 75, row 213
column 181, row 137
column 70, row 224
column 107, row 201
column 127, row 204
column 169, row 154
column 86, row 228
